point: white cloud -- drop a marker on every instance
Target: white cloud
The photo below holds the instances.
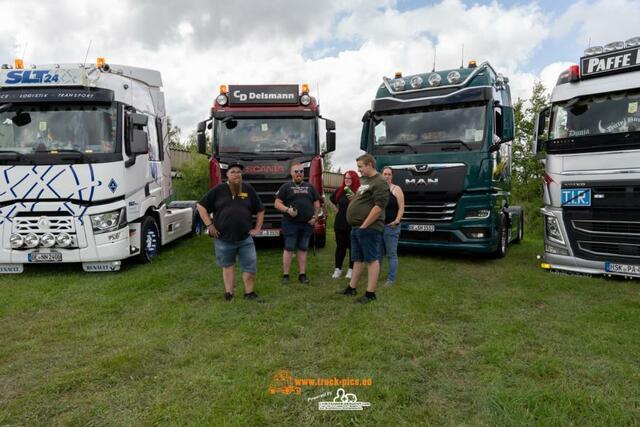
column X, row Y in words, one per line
column 199, row 44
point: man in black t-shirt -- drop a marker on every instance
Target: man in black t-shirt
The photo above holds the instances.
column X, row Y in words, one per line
column 232, row 204
column 300, row 204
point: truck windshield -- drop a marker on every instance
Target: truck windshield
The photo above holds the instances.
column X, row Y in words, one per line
column 593, row 116
column 266, row 135
column 88, row 129
column 435, row 129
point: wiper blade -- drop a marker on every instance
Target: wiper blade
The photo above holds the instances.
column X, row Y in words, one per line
column 398, row 144
column 17, row 154
column 5, row 107
column 450, row 141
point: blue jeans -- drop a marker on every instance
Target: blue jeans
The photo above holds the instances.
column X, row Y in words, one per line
column 365, row 244
column 296, row 235
column 245, row 250
column 390, row 237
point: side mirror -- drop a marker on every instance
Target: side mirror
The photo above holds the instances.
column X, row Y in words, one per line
column 330, row 125
column 367, row 116
column 508, row 126
column 539, row 134
column 137, row 140
column 364, row 136
column 137, row 119
column 331, row 141
column 201, row 137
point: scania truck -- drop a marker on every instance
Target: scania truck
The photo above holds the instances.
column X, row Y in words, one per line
column 589, row 139
column 446, row 135
column 84, row 167
column 267, row 128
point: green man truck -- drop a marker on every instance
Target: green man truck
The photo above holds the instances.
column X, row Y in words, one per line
column 447, row 137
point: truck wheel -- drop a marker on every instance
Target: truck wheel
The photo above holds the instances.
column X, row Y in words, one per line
column 321, row 240
column 503, row 240
column 149, row 240
column 520, row 236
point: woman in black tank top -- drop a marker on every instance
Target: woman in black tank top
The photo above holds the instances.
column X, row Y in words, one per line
column 391, row 234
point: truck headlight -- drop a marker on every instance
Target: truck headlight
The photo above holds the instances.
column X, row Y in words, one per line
column 31, row 240
column 64, row 240
column 555, row 250
column 16, row 241
column 477, row 213
column 47, row 240
column 305, row 99
column 552, row 227
column 222, row 99
column 108, row 221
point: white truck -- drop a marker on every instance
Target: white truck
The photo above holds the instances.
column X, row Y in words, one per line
column 590, row 137
column 85, row 173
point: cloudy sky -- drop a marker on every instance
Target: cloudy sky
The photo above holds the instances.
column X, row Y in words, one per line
column 342, row 49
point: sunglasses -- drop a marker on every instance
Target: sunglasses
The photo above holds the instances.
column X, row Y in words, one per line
column 298, row 171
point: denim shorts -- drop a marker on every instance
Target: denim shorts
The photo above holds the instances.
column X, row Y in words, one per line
column 365, row 244
column 245, row 250
column 296, row 235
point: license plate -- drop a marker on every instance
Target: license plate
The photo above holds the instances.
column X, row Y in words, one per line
column 576, row 197
column 632, row 270
column 45, row 257
column 429, row 228
column 268, row 233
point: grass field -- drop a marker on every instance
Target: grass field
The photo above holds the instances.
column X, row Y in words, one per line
column 458, row 341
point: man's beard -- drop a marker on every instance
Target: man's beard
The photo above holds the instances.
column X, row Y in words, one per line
column 235, row 188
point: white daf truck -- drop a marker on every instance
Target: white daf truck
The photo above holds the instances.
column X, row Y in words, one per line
column 85, row 174
column 590, row 138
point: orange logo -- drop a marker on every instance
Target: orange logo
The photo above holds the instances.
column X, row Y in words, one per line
column 282, row 382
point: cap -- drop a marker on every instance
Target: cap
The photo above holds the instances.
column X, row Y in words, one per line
column 235, row 165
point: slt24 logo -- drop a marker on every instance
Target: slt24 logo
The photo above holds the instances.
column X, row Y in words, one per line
column 31, row 76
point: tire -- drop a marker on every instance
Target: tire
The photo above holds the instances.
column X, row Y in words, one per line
column 520, row 236
column 149, row 240
column 320, row 240
column 503, row 239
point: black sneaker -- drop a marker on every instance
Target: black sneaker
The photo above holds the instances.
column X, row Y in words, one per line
column 348, row 291
column 285, row 279
column 254, row 297
column 302, row 278
column 228, row 296
column 365, row 299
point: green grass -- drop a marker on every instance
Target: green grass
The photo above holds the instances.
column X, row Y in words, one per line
column 458, row 341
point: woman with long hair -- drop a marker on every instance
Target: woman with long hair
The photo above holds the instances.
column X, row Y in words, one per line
column 391, row 233
column 341, row 198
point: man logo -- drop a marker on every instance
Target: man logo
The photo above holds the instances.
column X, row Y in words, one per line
column 421, row 181
column 423, row 168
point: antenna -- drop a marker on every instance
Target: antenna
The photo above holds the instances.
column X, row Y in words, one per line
column 86, row 55
column 462, row 57
column 589, row 45
column 318, row 86
column 434, row 59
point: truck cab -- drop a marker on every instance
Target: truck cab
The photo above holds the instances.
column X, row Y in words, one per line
column 589, row 140
column 446, row 135
column 267, row 128
column 84, row 167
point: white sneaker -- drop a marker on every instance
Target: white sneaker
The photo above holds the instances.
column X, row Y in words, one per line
column 348, row 275
column 337, row 273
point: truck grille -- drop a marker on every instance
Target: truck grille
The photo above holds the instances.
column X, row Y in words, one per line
column 604, row 234
column 266, row 190
column 43, row 224
column 423, row 210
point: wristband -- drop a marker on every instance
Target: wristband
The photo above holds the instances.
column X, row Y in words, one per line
column 209, row 225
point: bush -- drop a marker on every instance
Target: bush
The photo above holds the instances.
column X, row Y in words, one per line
column 194, row 180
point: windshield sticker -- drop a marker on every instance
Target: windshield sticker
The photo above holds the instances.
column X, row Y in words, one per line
column 42, row 126
column 633, row 107
column 580, row 132
column 264, row 127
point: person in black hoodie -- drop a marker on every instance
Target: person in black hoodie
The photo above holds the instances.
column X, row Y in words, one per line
column 341, row 198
